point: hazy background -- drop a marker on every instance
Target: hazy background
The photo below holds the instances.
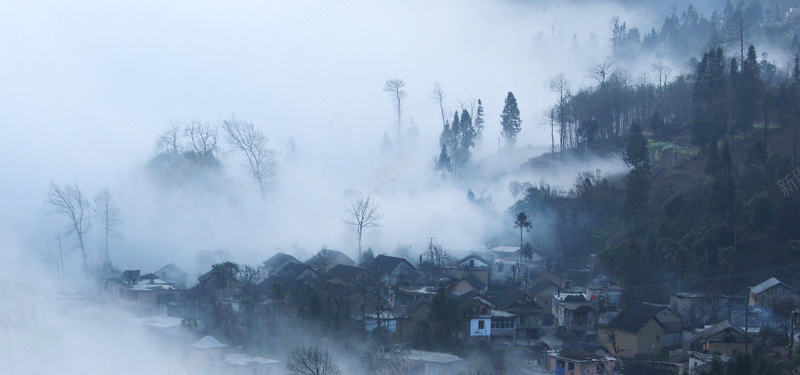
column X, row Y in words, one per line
column 88, row 86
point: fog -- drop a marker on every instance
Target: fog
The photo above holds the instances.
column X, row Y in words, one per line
column 87, row 88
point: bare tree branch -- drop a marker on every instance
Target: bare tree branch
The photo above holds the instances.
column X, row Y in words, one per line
column 68, row 200
column 243, row 137
column 363, row 214
column 312, row 360
column 395, row 88
column 107, row 213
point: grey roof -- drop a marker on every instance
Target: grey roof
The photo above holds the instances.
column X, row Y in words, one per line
column 292, row 270
column 208, row 342
column 760, row 288
column 472, row 280
column 462, row 260
column 603, row 282
column 542, row 285
column 580, row 356
column 633, row 318
column 336, row 257
column 506, row 300
column 278, row 260
column 386, row 264
column 721, row 327
column 174, row 269
column 413, row 306
column 345, row 273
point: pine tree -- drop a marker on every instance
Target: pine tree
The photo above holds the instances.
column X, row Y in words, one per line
column 511, row 122
column 479, row 121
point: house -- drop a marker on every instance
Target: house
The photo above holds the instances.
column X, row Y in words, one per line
column 280, row 288
column 274, row 264
column 294, row 271
column 480, row 325
column 542, row 293
column 575, row 362
column 642, row 328
column 411, row 315
column 347, row 275
column 147, row 295
column 393, row 270
column 396, row 359
column 209, row 356
column 574, row 311
column 502, row 271
column 475, row 265
column 327, row 259
column 434, row 363
column 771, row 292
column 723, row 338
column 539, row 273
column 173, row 275
column 529, row 313
column 473, row 261
column 606, row 293
column 466, row 284
column 699, row 309
column 405, row 295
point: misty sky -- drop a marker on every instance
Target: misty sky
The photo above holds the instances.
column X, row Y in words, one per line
column 88, row 86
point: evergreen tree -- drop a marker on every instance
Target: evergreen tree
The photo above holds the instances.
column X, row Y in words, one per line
column 510, row 120
column 638, row 180
column 479, row 121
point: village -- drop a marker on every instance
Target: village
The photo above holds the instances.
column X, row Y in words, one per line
column 541, row 319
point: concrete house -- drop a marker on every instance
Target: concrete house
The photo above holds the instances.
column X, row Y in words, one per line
column 574, row 311
column 642, row 328
column 699, row 309
column 142, row 294
column 475, row 265
column 606, row 293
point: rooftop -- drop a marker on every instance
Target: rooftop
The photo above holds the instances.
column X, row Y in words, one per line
column 244, row 359
column 435, row 357
column 208, row 342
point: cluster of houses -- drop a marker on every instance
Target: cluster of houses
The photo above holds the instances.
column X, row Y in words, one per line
column 512, row 302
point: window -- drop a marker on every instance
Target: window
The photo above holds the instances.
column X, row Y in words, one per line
column 472, row 262
column 499, row 268
column 481, row 324
column 503, row 323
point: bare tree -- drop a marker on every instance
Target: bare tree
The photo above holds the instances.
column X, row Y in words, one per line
column 68, row 200
column 107, row 213
column 436, row 257
column 438, row 97
column 169, row 141
column 244, row 138
column 560, row 85
column 202, row 136
column 312, row 360
column 60, row 236
column 362, row 214
column 600, row 71
column 737, row 30
column 663, row 72
column 395, row 88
